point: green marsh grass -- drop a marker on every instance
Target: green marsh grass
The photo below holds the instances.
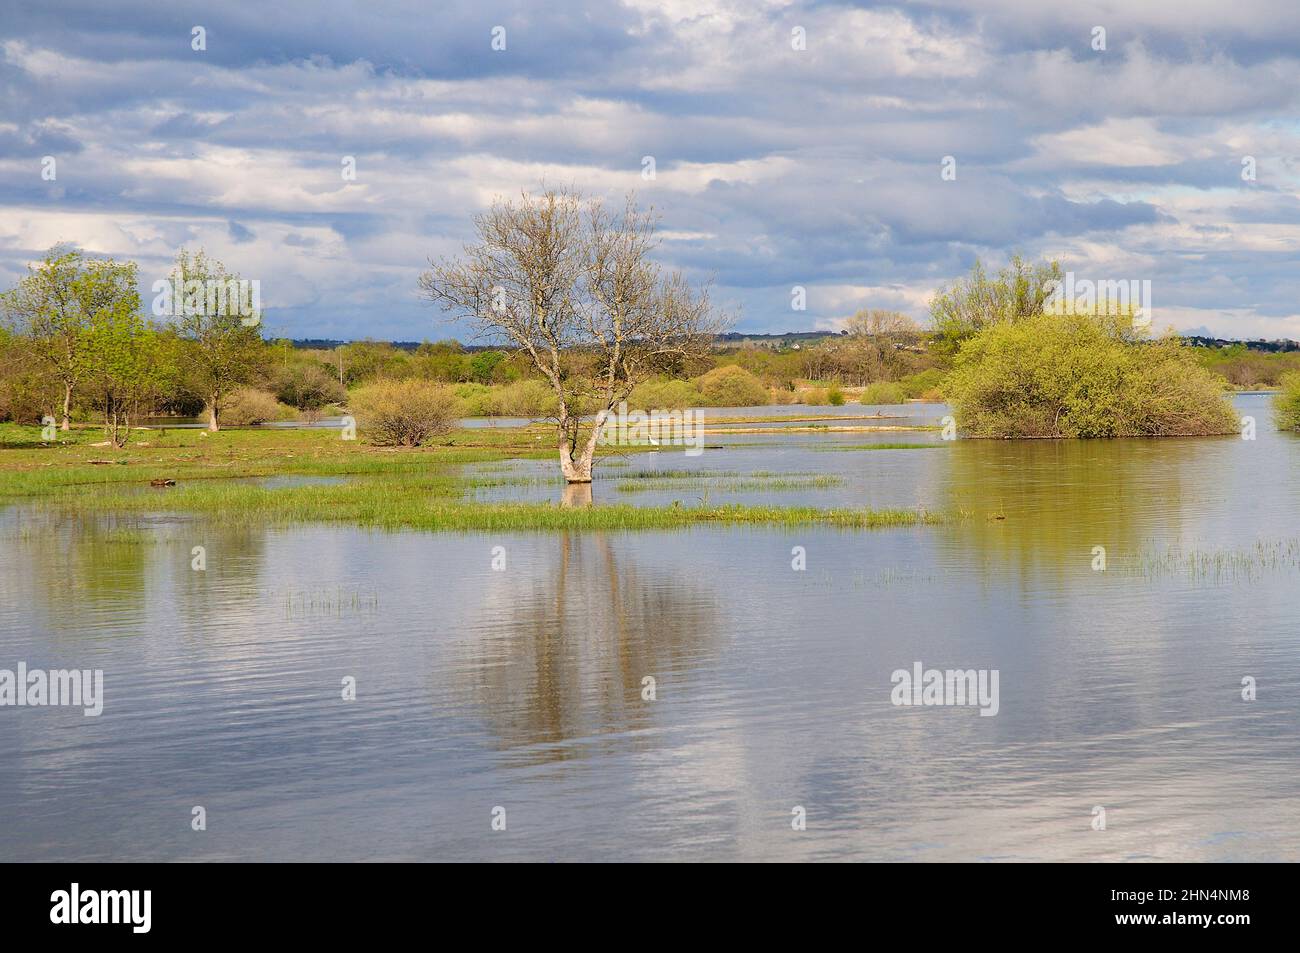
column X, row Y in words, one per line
column 391, row 489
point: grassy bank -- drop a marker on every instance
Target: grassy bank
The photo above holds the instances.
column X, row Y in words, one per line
column 218, row 475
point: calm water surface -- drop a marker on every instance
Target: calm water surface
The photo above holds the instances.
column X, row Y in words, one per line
column 522, row 688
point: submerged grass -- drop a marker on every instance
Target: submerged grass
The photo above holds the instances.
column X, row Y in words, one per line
column 436, row 504
column 756, row 481
column 1218, row 566
column 879, row 446
column 415, row 489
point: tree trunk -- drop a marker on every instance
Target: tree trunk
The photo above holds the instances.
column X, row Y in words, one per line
column 67, row 406
column 212, row 415
column 576, row 467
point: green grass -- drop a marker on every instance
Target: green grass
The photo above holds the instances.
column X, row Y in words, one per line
column 435, row 503
column 416, row 489
column 724, row 481
column 879, row 446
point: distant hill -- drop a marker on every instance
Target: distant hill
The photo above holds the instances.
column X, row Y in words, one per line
column 793, row 338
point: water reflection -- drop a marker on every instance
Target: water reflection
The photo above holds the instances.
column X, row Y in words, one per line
column 518, row 681
column 1040, row 504
column 582, row 633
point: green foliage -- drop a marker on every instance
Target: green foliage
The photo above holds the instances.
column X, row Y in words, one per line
column 405, row 413
column 923, row 385
column 483, row 366
column 25, row 394
column 1081, row 376
column 883, row 392
column 835, row 396
column 1286, row 404
column 732, row 386
column 526, row 398
column 662, row 394
column 224, row 351
column 365, row 361
column 58, row 304
column 972, row 303
column 125, row 370
column 1246, row 369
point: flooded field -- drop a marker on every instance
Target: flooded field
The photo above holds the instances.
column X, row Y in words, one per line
column 509, row 670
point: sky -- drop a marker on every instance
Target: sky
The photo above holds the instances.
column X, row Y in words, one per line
column 867, row 153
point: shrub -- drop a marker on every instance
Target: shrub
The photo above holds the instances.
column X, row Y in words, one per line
column 883, row 392
column 732, row 386
column 405, row 413
column 24, row 400
column 307, row 386
column 835, row 396
column 476, row 400
column 1286, row 404
column 923, row 385
column 665, row 394
column 1081, row 376
column 248, row 405
column 526, row 398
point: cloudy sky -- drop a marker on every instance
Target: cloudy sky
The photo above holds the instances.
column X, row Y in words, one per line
column 774, row 166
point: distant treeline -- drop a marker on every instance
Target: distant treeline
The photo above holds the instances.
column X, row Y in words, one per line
column 76, row 344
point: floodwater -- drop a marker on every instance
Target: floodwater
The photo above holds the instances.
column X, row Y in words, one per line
column 520, row 692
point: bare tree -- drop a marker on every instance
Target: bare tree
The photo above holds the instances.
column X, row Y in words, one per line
column 874, row 336
column 572, row 285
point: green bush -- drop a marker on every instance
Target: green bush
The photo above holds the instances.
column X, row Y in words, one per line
column 883, row 392
column 835, row 396
column 526, row 398
column 1082, row 376
column 1286, row 404
column 404, row 413
column 732, row 386
column 476, row 400
column 923, row 385
column 665, row 394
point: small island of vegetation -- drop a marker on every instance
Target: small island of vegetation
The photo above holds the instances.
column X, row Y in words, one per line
column 579, row 320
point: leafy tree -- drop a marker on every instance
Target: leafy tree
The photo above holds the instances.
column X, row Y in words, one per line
column 369, row 360
column 57, row 303
column 125, row 370
column 226, row 349
column 483, row 365
column 1018, row 291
